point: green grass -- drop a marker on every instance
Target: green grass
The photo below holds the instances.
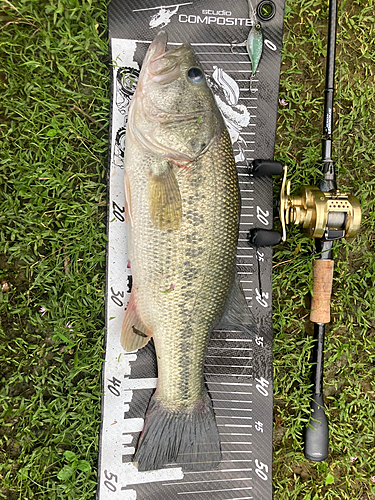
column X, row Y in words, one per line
column 54, row 110
column 54, row 68
column 350, row 339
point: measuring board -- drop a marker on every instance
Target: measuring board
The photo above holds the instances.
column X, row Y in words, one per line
column 238, row 369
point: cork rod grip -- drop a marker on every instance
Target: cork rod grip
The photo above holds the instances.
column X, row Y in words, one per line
column 322, row 288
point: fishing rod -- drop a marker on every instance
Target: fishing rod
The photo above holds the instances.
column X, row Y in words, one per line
column 326, row 215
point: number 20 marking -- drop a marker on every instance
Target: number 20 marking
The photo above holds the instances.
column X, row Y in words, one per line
column 262, row 216
column 262, row 298
column 118, row 211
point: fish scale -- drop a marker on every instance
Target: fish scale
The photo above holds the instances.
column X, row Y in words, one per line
column 200, row 280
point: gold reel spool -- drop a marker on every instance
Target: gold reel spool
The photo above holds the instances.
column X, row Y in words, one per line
column 319, row 211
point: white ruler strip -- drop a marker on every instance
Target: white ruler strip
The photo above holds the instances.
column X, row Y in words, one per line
column 117, row 431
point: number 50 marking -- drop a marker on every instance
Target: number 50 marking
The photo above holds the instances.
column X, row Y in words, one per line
column 111, row 478
column 261, row 470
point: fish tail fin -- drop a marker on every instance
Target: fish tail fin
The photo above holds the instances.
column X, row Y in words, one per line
column 187, row 438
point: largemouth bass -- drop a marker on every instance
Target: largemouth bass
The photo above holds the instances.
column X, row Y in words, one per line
column 183, row 206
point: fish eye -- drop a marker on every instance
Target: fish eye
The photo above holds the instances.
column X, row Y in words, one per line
column 195, row 75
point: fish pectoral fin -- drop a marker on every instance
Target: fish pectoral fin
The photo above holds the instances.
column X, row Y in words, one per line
column 165, row 198
column 236, row 313
column 128, row 200
column 134, row 333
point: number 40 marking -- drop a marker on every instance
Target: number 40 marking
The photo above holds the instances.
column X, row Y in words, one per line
column 262, row 386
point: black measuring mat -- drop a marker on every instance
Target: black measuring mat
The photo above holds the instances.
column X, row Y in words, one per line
column 238, row 369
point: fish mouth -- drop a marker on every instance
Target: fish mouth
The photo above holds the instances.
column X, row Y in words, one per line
column 163, row 65
column 158, row 46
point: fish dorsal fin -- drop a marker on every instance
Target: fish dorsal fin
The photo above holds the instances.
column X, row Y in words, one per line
column 134, row 333
column 237, row 314
column 165, row 198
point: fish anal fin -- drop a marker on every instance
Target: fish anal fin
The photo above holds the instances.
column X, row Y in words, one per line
column 134, row 333
column 165, row 198
column 237, row 314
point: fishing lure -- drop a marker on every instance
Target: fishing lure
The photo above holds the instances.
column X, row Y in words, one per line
column 254, row 43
